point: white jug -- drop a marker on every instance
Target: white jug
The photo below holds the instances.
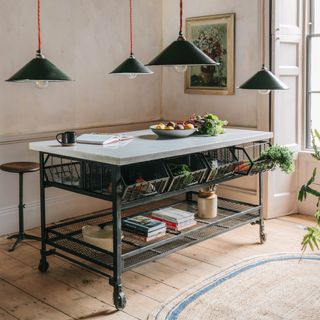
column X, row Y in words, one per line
column 207, row 204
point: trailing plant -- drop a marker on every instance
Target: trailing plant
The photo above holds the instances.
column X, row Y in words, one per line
column 312, row 237
column 277, row 156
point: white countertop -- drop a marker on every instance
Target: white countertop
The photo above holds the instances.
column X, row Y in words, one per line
column 147, row 146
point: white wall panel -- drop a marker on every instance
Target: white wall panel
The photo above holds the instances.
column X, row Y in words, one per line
column 87, row 40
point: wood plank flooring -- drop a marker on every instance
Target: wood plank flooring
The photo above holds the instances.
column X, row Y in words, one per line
column 67, row 291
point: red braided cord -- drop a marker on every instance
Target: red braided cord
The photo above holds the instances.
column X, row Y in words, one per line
column 263, row 31
column 39, row 27
column 181, row 12
column 131, row 37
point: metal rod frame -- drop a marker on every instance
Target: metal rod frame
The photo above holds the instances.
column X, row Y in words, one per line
column 252, row 215
column 21, row 235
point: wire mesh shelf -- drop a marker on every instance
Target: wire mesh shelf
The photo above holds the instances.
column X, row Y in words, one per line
column 67, row 236
column 186, row 171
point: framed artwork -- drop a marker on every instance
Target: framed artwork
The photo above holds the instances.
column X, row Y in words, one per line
column 214, row 35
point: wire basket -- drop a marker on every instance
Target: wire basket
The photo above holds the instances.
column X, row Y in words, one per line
column 186, row 170
column 143, row 180
column 221, row 162
column 248, row 156
column 63, row 171
column 97, row 177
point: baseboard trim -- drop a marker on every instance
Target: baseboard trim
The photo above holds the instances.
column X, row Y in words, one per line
column 238, row 190
column 57, row 208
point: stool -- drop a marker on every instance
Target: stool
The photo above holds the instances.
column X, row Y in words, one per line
column 21, row 168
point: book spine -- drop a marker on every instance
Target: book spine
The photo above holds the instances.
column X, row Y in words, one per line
column 140, row 227
column 182, row 227
column 168, row 223
column 171, row 219
column 134, row 230
column 178, row 226
column 143, row 233
column 147, row 239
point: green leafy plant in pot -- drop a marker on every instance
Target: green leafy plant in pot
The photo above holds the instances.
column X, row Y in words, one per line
column 312, row 236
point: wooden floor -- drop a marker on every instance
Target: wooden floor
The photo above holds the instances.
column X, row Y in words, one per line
column 67, row 291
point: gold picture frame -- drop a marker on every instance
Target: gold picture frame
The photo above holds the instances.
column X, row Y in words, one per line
column 214, row 35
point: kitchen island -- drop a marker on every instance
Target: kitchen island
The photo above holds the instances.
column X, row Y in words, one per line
column 114, row 173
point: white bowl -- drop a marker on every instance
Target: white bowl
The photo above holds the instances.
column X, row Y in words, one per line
column 173, row 133
column 99, row 237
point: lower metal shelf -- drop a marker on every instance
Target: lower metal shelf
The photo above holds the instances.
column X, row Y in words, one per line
column 67, row 236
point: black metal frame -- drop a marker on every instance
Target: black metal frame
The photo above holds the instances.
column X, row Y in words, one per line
column 114, row 263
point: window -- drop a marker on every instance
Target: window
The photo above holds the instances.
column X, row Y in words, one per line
column 313, row 70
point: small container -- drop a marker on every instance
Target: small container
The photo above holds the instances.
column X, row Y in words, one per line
column 207, row 204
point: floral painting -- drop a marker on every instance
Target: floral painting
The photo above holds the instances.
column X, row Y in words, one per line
column 214, row 35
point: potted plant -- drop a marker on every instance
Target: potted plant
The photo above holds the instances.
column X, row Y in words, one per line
column 312, row 236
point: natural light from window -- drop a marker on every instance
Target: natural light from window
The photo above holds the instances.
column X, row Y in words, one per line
column 313, row 85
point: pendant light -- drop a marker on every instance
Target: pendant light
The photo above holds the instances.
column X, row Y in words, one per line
column 131, row 67
column 39, row 70
column 264, row 81
column 182, row 53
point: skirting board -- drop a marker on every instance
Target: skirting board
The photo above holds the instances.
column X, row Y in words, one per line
column 58, row 208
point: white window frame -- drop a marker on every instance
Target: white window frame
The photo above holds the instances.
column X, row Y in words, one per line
column 310, row 35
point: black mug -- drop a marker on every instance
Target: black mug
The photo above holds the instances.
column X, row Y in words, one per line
column 66, row 138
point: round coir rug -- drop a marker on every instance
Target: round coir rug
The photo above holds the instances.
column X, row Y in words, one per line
column 284, row 286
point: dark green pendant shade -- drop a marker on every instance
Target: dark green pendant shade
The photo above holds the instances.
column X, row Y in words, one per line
column 39, row 68
column 131, row 66
column 264, row 80
column 182, row 52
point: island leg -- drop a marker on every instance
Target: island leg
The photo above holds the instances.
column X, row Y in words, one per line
column 43, row 265
column 189, row 196
column 263, row 235
column 119, row 297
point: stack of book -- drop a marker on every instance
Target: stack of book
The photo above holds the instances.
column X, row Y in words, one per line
column 175, row 219
column 144, row 228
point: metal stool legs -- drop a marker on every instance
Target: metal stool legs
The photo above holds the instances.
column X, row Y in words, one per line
column 21, row 235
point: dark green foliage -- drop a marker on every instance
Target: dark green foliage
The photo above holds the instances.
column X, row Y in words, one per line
column 278, row 156
column 312, row 237
column 211, row 125
column 182, row 170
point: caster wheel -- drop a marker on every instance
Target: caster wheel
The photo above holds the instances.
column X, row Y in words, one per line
column 120, row 301
column 43, row 266
column 263, row 238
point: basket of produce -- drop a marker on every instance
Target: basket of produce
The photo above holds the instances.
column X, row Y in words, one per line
column 221, row 162
column 172, row 129
column 273, row 157
column 208, row 125
column 261, row 156
column 143, row 179
column 186, row 170
column 249, row 157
